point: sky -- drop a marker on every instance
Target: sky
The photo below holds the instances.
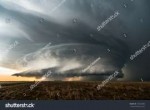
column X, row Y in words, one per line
column 62, row 36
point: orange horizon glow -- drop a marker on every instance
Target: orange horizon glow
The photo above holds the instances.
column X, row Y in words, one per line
column 6, row 75
column 73, row 79
column 15, row 78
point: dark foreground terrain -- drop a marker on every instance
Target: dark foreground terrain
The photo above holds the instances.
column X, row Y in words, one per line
column 75, row 90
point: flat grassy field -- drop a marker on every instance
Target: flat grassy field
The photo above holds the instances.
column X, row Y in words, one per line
column 58, row 90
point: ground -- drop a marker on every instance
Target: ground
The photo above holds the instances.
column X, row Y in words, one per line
column 59, row 90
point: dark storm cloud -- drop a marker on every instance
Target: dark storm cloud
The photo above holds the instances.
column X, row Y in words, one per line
column 68, row 60
column 72, row 31
column 68, row 74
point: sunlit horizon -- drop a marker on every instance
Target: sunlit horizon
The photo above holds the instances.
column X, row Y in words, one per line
column 6, row 75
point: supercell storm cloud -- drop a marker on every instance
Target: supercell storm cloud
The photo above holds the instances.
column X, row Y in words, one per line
column 62, row 36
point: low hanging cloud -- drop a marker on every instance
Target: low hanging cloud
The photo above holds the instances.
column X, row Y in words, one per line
column 68, row 60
